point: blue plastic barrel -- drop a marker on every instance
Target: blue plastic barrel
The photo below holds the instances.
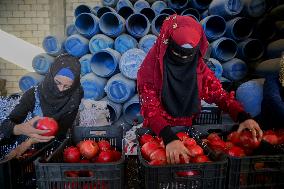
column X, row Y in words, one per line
column 149, row 13
column 250, row 95
column 93, row 86
column 95, row 9
column 53, row 45
column 265, row 29
column 131, row 110
column 125, row 42
column 130, row 62
column 125, row 11
column 234, row 69
column 223, row 49
column 191, row 12
column 77, row 45
column 99, row 42
column 29, row 80
column 137, row 25
column 200, row 4
column 226, row 8
column 250, row 49
column 42, row 62
column 87, row 24
column 268, row 67
column 157, row 23
column 110, row 3
column 204, row 14
column 214, row 27
column 168, row 11
column 122, row 3
column 82, row 9
column 119, row 89
column 104, row 63
column 147, row 42
column 85, row 64
column 115, row 109
column 254, row 8
column 239, row 28
column 178, row 5
column 102, row 10
column 158, row 6
column 112, row 24
column 141, row 4
column 71, row 29
column 218, row 69
column 275, row 48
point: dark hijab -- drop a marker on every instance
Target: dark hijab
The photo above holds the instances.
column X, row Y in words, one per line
column 180, row 91
column 55, row 103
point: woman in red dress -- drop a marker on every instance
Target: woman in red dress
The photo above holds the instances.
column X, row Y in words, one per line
column 173, row 79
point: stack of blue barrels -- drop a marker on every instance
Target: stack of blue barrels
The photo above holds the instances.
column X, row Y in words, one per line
column 113, row 39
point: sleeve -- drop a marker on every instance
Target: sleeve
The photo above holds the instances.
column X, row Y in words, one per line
column 151, row 108
column 212, row 92
column 66, row 123
column 18, row 114
column 272, row 97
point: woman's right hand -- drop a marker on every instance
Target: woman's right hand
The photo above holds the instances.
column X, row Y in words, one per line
column 174, row 150
column 28, row 129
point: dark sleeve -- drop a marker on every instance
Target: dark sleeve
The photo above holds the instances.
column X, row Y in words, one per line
column 18, row 114
column 168, row 135
column 272, row 99
column 66, row 123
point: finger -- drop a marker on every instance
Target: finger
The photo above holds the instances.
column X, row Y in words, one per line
column 40, row 132
column 186, row 151
column 40, row 137
column 168, row 157
column 241, row 128
column 176, row 157
column 185, row 157
column 172, row 158
column 253, row 131
column 259, row 132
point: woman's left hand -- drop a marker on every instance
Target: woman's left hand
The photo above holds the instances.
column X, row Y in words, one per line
column 253, row 127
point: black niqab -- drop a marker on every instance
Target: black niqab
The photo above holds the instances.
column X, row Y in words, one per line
column 180, row 91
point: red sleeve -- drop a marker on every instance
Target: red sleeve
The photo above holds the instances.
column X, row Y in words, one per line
column 151, row 108
column 212, row 92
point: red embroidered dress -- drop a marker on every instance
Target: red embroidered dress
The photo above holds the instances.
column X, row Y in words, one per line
column 150, row 76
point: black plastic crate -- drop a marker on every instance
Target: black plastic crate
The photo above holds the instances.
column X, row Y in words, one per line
column 52, row 172
column 207, row 175
column 20, row 173
column 258, row 171
column 208, row 115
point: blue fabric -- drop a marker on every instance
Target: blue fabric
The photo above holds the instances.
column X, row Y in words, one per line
column 273, row 102
column 66, row 72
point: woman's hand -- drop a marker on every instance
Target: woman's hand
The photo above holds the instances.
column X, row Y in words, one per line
column 253, row 127
column 174, row 150
column 28, row 129
column 21, row 149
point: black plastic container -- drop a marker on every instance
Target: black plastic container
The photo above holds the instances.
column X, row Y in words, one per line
column 208, row 115
column 55, row 173
column 205, row 175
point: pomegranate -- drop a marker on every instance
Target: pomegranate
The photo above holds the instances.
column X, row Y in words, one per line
column 182, row 136
column 116, row 155
column 213, row 136
column 157, row 162
column 71, row 155
column 148, row 148
column 88, row 148
column 201, row 159
column 145, row 138
column 189, row 142
column 247, row 141
column 272, row 139
column 104, row 145
column 105, row 157
column 47, row 123
column 236, row 151
column 234, row 137
column 195, row 150
column 159, row 154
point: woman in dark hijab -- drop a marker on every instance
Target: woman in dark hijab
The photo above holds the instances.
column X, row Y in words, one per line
column 58, row 97
column 173, row 79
